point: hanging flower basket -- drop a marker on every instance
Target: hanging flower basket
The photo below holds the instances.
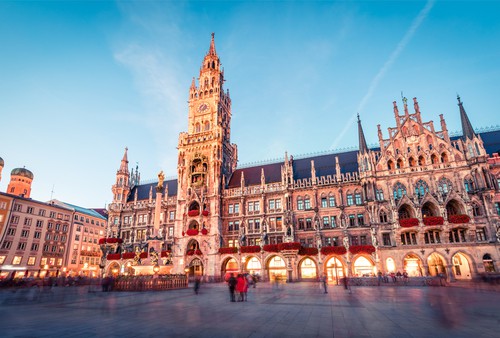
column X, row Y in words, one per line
column 457, row 219
column 193, row 213
column 205, row 213
column 433, row 220
column 289, row 246
column 192, row 232
column 204, row 231
column 128, row 255
column 250, row 249
column 355, row 249
column 228, row 250
column 333, row 250
column 165, row 253
column 113, row 257
column 308, row 251
column 271, row 248
column 408, row 222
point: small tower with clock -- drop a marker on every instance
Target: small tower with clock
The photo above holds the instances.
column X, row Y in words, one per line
column 206, row 161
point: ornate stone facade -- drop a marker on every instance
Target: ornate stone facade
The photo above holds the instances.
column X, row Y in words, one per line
column 423, row 202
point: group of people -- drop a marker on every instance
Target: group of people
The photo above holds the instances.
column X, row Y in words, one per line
column 239, row 286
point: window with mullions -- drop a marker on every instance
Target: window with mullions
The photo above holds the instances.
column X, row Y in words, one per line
column 480, row 234
column 301, row 223
column 350, row 200
column 444, row 186
column 379, row 194
column 431, row 237
column 331, row 201
column 469, row 185
column 326, row 222
column 352, row 220
column 457, row 236
column 357, row 197
column 386, row 239
column 409, row 238
column 399, row 191
column 324, row 202
column 361, row 219
column 421, row 188
column 308, row 223
column 300, row 203
column 307, row 203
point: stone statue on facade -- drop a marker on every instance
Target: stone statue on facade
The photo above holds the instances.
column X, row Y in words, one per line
column 161, row 178
column 345, row 240
column 374, row 237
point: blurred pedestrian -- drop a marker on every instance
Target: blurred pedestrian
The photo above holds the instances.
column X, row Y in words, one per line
column 232, row 285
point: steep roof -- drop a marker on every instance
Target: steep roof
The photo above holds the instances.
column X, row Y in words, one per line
column 143, row 190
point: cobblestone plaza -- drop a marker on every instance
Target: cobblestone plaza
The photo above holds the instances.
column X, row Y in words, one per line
column 290, row 310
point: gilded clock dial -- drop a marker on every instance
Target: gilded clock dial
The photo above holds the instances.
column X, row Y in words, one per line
column 202, row 108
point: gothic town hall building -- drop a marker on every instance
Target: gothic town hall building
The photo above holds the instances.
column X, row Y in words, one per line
column 422, row 202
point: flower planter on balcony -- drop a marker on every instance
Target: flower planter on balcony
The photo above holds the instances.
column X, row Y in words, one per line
column 165, row 253
column 110, row 240
column 271, row 248
column 458, row 219
column 113, row 257
column 204, row 231
column 192, row 232
column 193, row 252
column 128, row 255
column 228, row 250
column 143, row 255
column 250, row 249
column 433, row 220
column 308, row 251
column 333, row 250
column 205, row 213
column 408, row 222
column 355, row 249
column 289, row 246
column 193, row 213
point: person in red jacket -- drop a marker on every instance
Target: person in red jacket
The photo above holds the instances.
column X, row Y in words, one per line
column 241, row 285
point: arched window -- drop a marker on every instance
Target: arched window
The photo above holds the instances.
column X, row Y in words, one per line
column 390, row 165
column 405, row 212
column 468, row 184
column 399, row 190
column 307, row 203
column 477, row 149
column 421, row 160
column 434, row 159
column 197, row 128
column 444, row 186
column 412, row 162
column 399, row 164
column 488, row 263
column 444, row 158
column 421, row 188
column 383, row 217
column 207, row 126
column 476, row 210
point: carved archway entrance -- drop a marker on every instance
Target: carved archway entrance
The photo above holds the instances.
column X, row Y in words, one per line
column 461, row 267
column 412, row 265
column 334, row 270
column 436, row 264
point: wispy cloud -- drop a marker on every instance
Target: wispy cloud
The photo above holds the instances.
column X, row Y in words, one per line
column 385, row 68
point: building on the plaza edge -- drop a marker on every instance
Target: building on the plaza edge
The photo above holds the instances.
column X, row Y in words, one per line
column 423, row 201
column 39, row 239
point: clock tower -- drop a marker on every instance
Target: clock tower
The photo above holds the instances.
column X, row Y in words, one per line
column 205, row 163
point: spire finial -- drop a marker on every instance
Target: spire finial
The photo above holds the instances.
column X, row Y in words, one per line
column 363, row 148
column 467, row 130
column 211, row 51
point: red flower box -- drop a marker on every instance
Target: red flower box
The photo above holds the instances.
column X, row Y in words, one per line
column 192, row 232
column 250, row 249
column 165, row 253
column 205, row 213
column 457, row 219
column 333, row 250
column 408, row 222
column 308, row 251
column 355, row 249
column 113, row 257
column 128, row 255
column 113, row 240
column 198, row 252
column 204, row 231
column 102, row 241
column 433, row 220
column 289, row 246
column 143, row 255
column 228, row 250
column 193, row 252
column 271, row 248
column 193, row 213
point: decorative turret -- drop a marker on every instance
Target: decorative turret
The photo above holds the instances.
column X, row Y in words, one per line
column 364, row 162
column 20, row 182
column 363, row 148
column 467, row 130
column 121, row 188
column 473, row 144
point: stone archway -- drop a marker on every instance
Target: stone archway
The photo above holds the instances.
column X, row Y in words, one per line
column 195, row 268
column 113, row 269
column 334, row 270
column 437, row 264
column 363, row 267
column 229, row 266
column 412, row 265
column 308, row 269
column 253, row 266
column 461, row 267
column 276, row 268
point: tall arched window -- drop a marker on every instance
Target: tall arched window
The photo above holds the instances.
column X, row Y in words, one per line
column 399, row 164
column 300, row 203
column 421, row 188
column 444, row 158
column 421, row 160
column 399, row 190
column 444, row 186
column 468, row 184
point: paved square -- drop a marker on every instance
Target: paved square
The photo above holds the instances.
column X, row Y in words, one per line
column 293, row 310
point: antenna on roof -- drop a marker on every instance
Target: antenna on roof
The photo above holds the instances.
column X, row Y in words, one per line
column 52, row 192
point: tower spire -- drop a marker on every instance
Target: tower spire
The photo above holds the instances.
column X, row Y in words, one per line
column 363, row 148
column 211, row 51
column 467, row 130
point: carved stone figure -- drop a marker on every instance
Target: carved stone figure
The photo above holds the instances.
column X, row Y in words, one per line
column 161, row 178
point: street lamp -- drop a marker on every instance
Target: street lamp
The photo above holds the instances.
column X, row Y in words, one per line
column 156, row 269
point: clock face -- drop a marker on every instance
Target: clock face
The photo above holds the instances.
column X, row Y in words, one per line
column 202, row 108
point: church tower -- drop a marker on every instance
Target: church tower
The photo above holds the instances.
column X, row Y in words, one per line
column 121, row 188
column 205, row 163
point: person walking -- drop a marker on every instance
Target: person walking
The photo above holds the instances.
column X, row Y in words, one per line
column 241, row 284
column 197, row 282
column 232, row 285
column 325, row 283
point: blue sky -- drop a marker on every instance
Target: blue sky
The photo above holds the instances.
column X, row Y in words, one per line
column 80, row 81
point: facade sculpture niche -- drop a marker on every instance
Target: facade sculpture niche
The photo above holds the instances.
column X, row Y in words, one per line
column 199, row 169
